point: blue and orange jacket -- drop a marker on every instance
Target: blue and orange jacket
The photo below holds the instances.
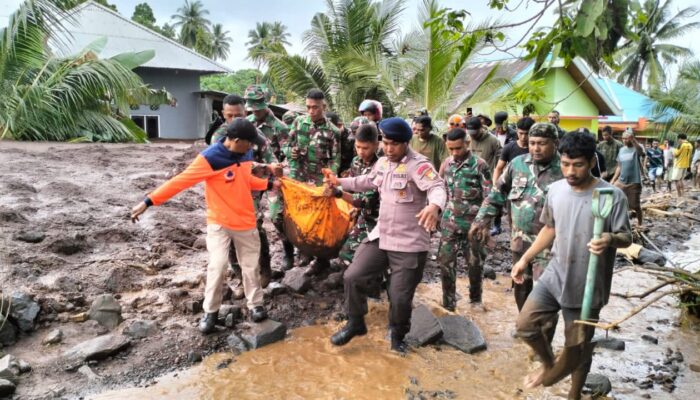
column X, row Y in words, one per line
column 228, row 183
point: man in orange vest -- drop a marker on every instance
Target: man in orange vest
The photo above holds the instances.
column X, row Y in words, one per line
column 226, row 169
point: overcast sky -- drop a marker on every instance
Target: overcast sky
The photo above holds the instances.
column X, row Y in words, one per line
column 240, row 16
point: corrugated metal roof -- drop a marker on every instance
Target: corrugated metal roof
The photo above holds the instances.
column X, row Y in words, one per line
column 90, row 21
column 634, row 105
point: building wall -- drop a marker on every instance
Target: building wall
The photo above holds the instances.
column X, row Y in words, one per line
column 182, row 121
column 558, row 85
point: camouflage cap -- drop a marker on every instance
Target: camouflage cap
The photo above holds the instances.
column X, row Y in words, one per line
column 255, row 98
column 289, row 117
column 545, row 130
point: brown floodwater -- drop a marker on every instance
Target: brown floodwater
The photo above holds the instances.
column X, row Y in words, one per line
column 306, row 366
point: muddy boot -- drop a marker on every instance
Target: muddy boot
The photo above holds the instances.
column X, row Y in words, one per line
column 208, row 322
column 288, row 255
column 318, row 266
column 258, row 314
column 354, row 327
column 475, row 279
column 399, row 345
column 265, row 269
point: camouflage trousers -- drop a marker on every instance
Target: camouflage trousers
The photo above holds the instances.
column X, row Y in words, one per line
column 358, row 233
column 451, row 243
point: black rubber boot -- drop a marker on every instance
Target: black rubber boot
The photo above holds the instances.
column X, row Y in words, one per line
column 258, row 314
column 354, row 327
column 288, row 255
column 399, row 345
column 475, row 279
column 206, row 325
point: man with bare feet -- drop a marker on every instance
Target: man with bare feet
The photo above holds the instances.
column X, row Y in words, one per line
column 568, row 223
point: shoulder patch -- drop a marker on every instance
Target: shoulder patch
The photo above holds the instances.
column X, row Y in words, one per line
column 422, row 169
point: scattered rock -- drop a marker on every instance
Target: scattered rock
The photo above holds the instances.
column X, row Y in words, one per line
column 297, row 280
column 227, row 310
column 141, row 328
column 29, row 236
column 24, row 366
column 694, row 367
column 264, row 333
column 7, row 215
column 8, row 332
column 6, row 388
column 425, row 328
column 24, row 311
column 164, row 263
column 650, row 339
column 489, row 272
column 224, row 363
column 106, row 310
column 194, row 357
column 88, row 373
column 462, row 334
column 274, row 289
column 98, row 348
column 649, row 256
column 334, row 280
column 193, row 306
column 597, row 385
column 53, row 337
column 610, row 343
column 69, row 245
column 122, row 279
column 9, row 368
column 236, row 343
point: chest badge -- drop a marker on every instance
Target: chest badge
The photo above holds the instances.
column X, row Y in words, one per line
column 229, row 176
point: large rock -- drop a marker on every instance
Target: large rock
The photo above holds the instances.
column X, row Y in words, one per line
column 425, row 328
column 462, row 334
column 297, row 280
column 106, row 310
column 98, row 348
column 237, row 343
column 8, row 332
column 141, row 328
column 597, row 385
column 9, row 368
column 264, row 333
column 29, row 236
column 610, row 343
column 649, row 256
column 6, row 388
column 24, row 311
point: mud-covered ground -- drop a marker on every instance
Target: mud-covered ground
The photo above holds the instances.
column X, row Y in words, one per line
column 73, row 201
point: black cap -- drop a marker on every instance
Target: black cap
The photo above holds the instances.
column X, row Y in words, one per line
column 241, row 128
column 473, row 125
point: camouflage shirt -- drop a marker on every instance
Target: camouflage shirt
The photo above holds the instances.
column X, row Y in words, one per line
column 609, row 151
column 274, row 130
column 318, row 147
column 525, row 184
column 366, row 202
column 468, row 184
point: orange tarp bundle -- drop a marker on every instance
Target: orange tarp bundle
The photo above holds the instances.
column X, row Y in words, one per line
column 314, row 223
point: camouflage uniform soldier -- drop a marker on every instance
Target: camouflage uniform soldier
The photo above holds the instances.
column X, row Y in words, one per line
column 366, row 203
column 525, row 183
column 289, row 117
column 314, row 143
column 468, row 180
column 347, row 144
column 273, row 129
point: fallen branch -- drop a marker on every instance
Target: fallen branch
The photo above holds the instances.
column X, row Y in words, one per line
column 671, row 214
column 645, row 293
column 632, row 313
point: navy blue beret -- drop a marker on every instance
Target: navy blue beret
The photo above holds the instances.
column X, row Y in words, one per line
column 396, row 129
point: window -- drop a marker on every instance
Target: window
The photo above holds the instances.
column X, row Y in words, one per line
column 149, row 123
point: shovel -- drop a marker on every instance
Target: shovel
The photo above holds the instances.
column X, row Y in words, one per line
column 601, row 205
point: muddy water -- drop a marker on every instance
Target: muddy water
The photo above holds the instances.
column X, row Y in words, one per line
column 307, row 366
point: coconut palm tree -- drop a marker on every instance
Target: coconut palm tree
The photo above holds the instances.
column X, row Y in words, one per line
column 45, row 97
column 190, row 18
column 351, row 55
column 643, row 59
column 679, row 108
column 220, row 42
column 266, row 38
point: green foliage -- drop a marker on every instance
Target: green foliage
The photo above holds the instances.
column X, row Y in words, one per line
column 51, row 98
column 645, row 56
column 266, row 38
column 678, row 109
column 68, row 4
column 220, row 42
column 143, row 14
column 191, row 20
column 235, row 82
column 168, row 31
